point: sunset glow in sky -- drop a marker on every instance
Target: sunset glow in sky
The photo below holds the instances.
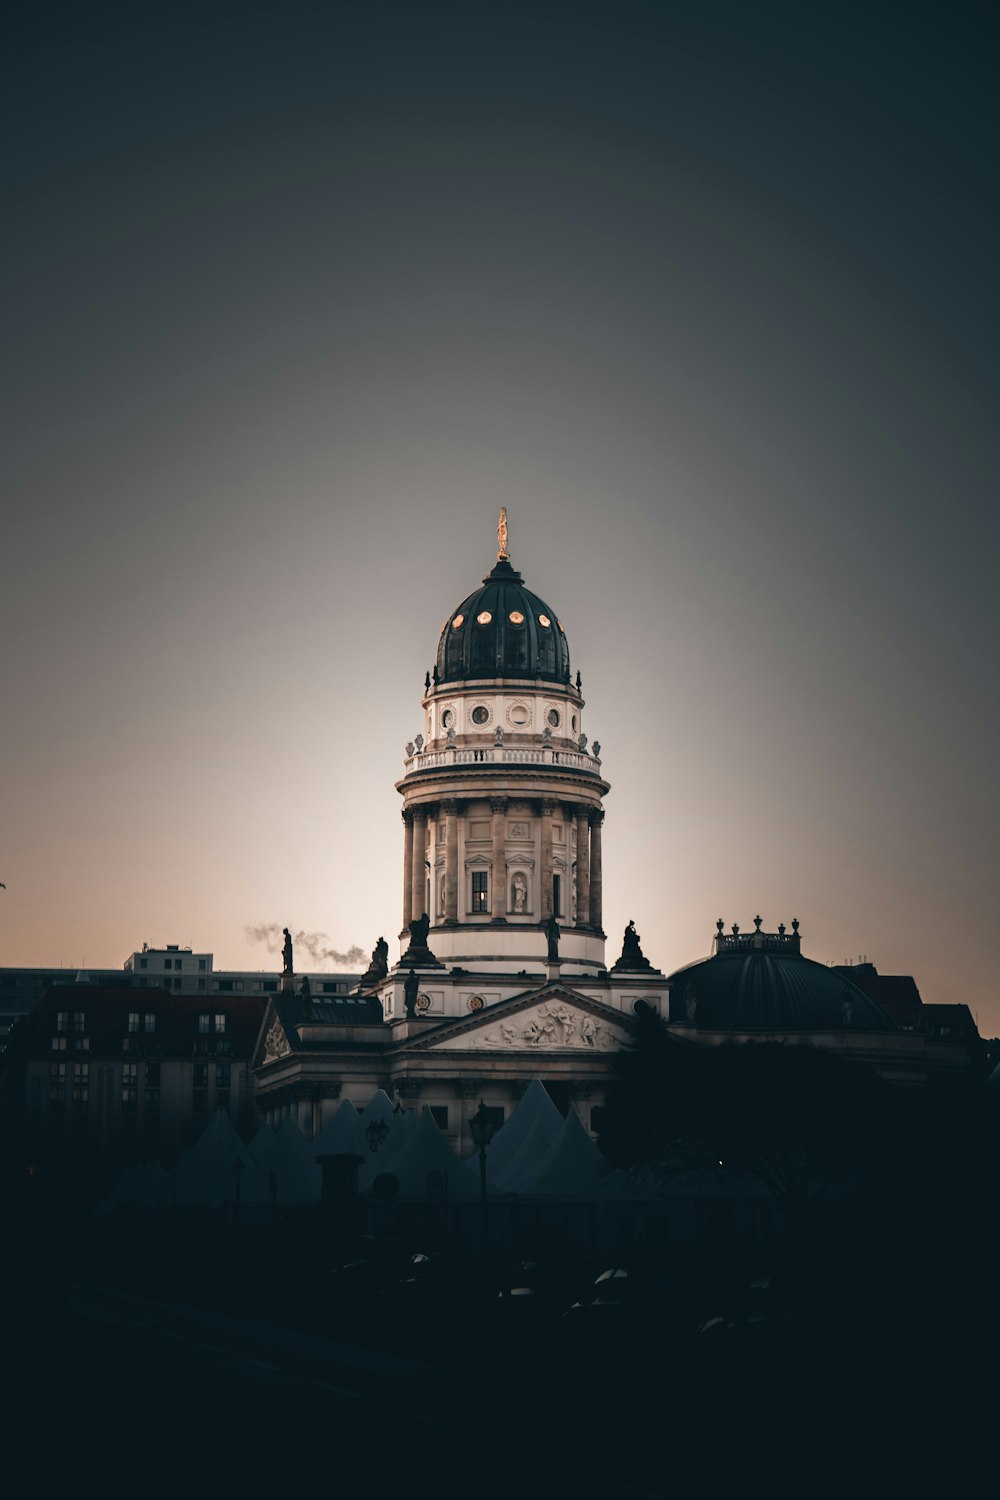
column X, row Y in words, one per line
column 296, row 297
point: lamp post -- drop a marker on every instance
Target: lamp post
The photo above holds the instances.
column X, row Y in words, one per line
column 483, row 1130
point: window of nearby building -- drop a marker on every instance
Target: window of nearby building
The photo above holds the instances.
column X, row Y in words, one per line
column 133, row 1021
column 79, row 1020
column 439, row 1114
column 59, row 1044
column 201, row 985
column 57, row 1082
column 149, row 1022
column 202, row 964
column 223, row 1078
column 130, row 1087
column 200, row 1076
column 144, row 963
column 81, row 1083
column 168, row 963
column 204, row 1024
column 224, row 984
column 62, row 1020
column 479, row 891
column 81, row 1044
column 219, row 1023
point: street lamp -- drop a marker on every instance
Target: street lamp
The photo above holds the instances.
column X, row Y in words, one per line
column 376, row 1131
column 483, row 1130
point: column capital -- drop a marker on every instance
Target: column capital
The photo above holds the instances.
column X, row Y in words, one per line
column 420, row 814
column 596, row 817
column 548, row 806
column 407, row 814
column 499, row 804
column 467, row 1088
column 450, row 806
column 409, row 1088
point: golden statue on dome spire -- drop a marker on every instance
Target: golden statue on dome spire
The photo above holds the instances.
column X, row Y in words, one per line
column 503, row 555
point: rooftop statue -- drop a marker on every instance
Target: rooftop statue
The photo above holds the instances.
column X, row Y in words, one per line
column 286, row 952
column 553, row 933
column 632, row 956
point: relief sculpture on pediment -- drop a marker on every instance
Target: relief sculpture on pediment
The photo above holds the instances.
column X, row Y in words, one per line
column 275, row 1043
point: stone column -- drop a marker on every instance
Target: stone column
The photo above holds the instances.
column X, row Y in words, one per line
column 596, row 870
column 498, row 807
column 450, row 810
column 548, row 808
column 418, row 884
column 407, row 868
column 582, row 866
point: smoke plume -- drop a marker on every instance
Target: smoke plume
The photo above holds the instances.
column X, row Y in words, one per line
column 316, row 945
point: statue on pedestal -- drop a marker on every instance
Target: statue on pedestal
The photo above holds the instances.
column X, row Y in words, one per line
column 378, row 968
column 553, row 932
column 632, row 957
column 286, row 952
column 411, row 986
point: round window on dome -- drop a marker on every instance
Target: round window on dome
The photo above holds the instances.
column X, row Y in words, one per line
column 458, row 622
column 484, row 617
column 544, row 620
column 553, row 717
column 480, row 715
column 515, row 617
column 518, row 713
column 447, row 718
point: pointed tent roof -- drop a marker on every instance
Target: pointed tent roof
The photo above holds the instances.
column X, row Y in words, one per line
column 379, row 1107
column 423, row 1150
column 342, row 1135
column 207, row 1173
column 535, row 1116
column 571, row 1167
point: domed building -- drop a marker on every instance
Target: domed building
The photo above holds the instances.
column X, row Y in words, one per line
column 502, row 974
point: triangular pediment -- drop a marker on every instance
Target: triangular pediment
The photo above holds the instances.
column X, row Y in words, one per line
column 553, row 1019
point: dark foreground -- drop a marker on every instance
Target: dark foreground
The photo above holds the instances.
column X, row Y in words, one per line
column 193, row 1351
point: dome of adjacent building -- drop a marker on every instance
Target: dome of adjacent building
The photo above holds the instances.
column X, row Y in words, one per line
column 760, row 982
column 502, row 630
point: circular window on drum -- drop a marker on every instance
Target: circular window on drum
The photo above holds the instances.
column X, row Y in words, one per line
column 480, row 714
column 447, row 718
column 553, row 717
column 476, row 1002
column 519, row 714
column 423, row 1002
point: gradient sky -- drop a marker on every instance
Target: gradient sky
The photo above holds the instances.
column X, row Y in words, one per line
column 294, row 297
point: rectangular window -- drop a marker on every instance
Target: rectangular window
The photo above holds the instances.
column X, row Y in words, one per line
column 130, row 1087
column 81, row 1083
column 81, row 1044
column 204, row 1025
column 144, row 963
column 59, row 1044
column 149, row 1022
column 168, row 963
column 79, row 1020
column 557, row 896
column 439, row 1113
column 220, row 1024
column 152, row 1075
column 57, row 1082
column 201, row 985
column 200, row 1075
column 479, row 891
column 133, row 1021
column 62, row 1021
column 201, row 965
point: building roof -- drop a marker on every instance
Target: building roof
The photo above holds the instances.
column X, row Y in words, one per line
column 502, row 629
column 761, row 982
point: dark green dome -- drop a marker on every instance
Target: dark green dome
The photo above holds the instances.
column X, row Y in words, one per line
column 502, row 630
column 760, row 982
